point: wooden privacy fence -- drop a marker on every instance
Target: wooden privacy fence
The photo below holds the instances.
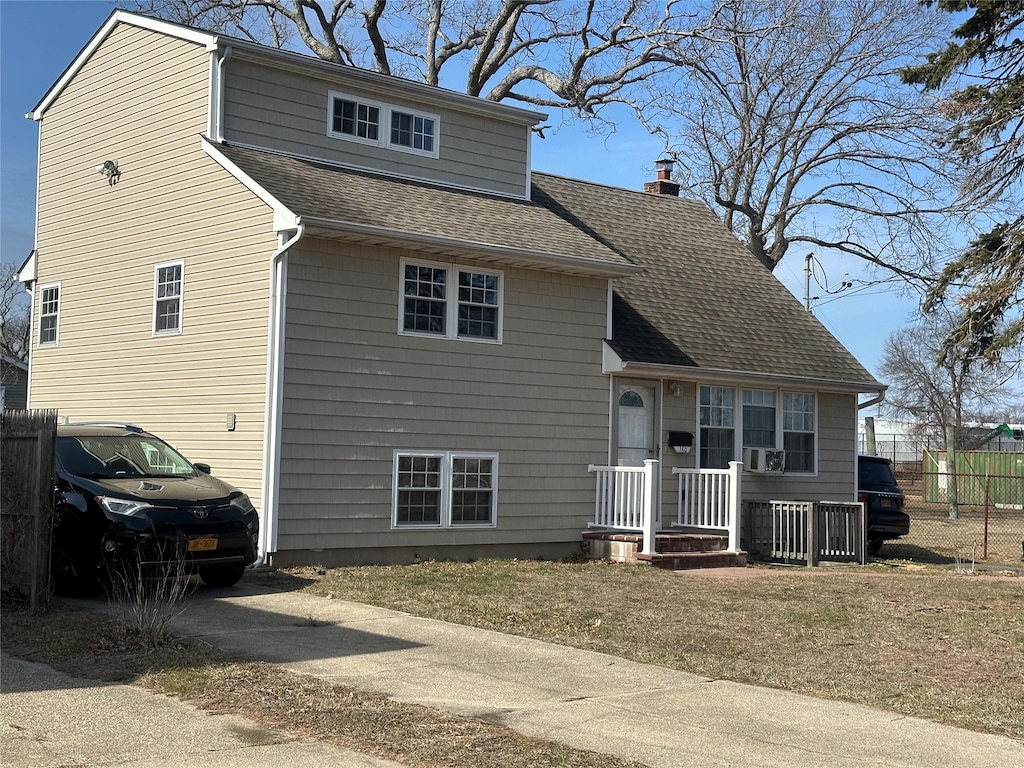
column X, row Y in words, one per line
column 27, row 441
column 805, row 531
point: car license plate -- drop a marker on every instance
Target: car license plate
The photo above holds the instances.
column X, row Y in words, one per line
column 203, row 544
column 885, row 502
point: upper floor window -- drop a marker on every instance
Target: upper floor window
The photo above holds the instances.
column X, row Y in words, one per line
column 413, row 131
column 168, row 288
column 49, row 314
column 431, row 306
column 370, row 122
column 355, row 118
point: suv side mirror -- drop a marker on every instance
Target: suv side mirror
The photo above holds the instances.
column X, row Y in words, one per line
column 204, row 468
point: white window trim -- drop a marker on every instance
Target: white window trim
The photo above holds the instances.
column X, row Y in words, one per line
column 181, row 297
column 445, row 522
column 779, row 435
column 451, row 301
column 384, row 124
column 384, row 127
column 60, row 299
column 412, row 150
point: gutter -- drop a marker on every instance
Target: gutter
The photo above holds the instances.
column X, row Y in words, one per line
column 873, row 401
column 275, row 396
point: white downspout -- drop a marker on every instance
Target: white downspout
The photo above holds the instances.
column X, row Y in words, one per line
column 215, row 107
column 219, row 136
column 275, row 395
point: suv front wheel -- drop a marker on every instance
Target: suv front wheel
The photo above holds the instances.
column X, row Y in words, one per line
column 221, row 575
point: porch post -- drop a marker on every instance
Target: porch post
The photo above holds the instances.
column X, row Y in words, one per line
column 735, row 504
column 650, row 472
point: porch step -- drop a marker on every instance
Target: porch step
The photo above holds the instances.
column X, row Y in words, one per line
column 683, row 561
column 673, row 551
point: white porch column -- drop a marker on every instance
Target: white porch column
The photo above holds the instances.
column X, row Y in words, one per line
column 735, row 504
column 650, row 473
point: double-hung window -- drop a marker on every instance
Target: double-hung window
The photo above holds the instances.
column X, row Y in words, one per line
column 798, row 431
column 717, row 427
column 168, row 290
column 450, row 301
column 49, row 314
column 356, row 118
column 758, row 422
column 444, row 489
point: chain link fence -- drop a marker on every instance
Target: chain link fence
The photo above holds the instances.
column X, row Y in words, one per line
column 986, row 525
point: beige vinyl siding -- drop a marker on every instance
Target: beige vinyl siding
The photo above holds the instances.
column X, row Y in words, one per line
column 288, row 112
column 355, row 390
column 141, row 101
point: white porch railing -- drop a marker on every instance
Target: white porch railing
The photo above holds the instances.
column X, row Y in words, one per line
column 625, row 500
column 710, row 498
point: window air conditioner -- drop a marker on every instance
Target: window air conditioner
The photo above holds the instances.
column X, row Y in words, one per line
column 774, row 461
column 763, row 460
column 753, row 459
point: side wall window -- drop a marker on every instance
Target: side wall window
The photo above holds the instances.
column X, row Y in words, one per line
column 168, row 291
column 49, row 314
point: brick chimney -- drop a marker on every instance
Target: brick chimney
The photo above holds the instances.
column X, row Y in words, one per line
column 664, row 184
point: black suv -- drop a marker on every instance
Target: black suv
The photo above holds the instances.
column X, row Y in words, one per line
column 877, row 488
column 123, row 496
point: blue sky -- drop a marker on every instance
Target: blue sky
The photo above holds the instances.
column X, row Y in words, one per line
column 38, row 39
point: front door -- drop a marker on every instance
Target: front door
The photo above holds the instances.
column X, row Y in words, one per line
column 635, row 405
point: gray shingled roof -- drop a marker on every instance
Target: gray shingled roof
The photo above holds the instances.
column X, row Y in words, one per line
column 322, row 191
column 703, row 299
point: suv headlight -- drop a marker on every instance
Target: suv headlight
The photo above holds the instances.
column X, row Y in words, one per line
column 122, row 506
column 242, row 503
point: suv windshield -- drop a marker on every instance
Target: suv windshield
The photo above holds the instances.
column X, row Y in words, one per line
column 120, row 456
column 875, row 475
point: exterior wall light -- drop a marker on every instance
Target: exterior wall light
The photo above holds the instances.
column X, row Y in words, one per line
column 109, row 169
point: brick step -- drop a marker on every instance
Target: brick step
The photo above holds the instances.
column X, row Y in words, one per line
column 682, row 561
column 690, row 542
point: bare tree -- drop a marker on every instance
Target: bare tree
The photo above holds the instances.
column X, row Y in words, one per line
column 942, row 387
column 796, row 127
column 14, row 317
column 578, row 55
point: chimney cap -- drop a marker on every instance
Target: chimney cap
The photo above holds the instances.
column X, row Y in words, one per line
column 664, row 164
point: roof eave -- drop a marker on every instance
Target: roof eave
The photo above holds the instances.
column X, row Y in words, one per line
column 615, row 364
column 473, row 249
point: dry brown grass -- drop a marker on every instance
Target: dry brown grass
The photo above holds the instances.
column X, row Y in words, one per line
column 919, row 641
column 94, row 647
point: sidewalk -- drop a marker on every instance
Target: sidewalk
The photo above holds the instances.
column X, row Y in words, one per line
column 52, row 720
column 659, row 717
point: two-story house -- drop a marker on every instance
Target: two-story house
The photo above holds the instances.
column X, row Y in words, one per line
column 352, row 296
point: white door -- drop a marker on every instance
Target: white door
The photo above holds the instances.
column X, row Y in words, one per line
column 635, row 406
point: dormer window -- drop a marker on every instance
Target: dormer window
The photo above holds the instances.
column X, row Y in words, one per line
column 412, row 131
column 354, row 118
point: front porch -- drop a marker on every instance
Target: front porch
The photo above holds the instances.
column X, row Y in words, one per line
column 712, row 524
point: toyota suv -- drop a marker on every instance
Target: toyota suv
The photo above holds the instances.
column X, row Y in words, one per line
column 883, row 500
column 124, row 496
